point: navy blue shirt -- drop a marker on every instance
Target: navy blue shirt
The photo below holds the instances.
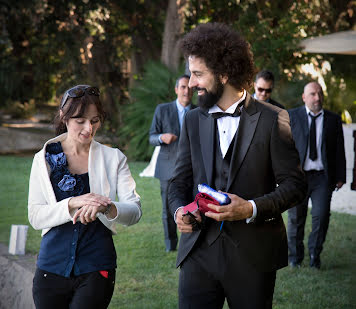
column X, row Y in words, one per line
column 73, row 249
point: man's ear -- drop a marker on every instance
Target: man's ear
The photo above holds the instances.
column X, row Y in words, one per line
column 224, row 79
column 176, row 90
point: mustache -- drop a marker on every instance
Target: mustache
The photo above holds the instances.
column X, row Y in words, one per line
column 198, row 88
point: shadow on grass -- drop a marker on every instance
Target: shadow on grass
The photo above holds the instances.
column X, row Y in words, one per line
column 146, row 274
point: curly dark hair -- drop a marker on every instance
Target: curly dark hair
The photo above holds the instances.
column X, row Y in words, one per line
column 224, row 51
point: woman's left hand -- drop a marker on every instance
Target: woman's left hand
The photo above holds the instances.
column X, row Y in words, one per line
column 87, row 214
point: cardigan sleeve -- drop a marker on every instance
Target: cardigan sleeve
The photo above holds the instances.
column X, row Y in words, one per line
column 128, row 201
column 44, row 211
column 128, row 205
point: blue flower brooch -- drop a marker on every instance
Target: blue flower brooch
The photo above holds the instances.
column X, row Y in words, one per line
column 69, row 184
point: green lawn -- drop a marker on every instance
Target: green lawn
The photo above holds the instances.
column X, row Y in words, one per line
column 146, row 275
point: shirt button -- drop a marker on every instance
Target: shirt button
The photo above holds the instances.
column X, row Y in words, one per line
column 72, row 257
column 75, row 230
column 73, row 243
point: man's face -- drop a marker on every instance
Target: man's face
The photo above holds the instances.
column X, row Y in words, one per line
column 263, row 89
column 203, row 80
column 184, row 93
column 313, row 97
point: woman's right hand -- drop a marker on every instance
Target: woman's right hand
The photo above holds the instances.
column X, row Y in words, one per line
column 90, row 201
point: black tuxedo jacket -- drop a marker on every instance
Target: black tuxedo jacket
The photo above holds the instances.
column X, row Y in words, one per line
column 165, row 120
column 263, row 156
column 275, row 103
column 332, row 147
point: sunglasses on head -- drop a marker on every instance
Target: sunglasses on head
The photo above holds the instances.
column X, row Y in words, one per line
column 268, row 90
column 79, row 91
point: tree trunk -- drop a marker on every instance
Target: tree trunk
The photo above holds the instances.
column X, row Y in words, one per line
column 144, row 50
column 102, row 74
column 173, row 28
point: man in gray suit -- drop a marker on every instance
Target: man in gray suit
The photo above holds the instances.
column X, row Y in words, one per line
column 164, row 132
column 319, row 139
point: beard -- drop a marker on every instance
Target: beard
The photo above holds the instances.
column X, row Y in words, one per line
column 209, row 99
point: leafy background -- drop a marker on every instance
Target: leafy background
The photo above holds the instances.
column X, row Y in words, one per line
column 47, row 46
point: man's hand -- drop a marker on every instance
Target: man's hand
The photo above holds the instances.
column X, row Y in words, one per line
column 238, row 209
column 339, row 185
column 185, row 227
column 168, row 138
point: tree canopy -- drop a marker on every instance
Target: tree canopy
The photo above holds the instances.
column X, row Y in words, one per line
column 47, row 46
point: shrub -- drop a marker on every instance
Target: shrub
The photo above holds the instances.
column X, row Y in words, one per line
column 156, row 86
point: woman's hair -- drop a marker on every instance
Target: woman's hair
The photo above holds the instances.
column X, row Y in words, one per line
column 224, row 51
column 76, row 107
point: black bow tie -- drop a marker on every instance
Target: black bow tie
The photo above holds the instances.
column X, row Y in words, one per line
column 236, row 113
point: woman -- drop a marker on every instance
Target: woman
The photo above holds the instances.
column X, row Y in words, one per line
column 74, row 184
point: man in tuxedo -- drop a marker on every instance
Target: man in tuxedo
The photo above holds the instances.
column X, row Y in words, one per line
column 164, row 132
column 241, row 146
column 263, row 85
column 319, row 139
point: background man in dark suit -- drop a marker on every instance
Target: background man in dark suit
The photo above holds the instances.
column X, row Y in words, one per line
column 164, row 132
column 263, row 85
column 319, row 139
column 245, row 156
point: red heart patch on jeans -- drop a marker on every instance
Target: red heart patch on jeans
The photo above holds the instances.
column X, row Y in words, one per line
column 104, row 273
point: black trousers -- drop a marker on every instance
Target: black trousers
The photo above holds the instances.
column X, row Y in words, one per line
column 212, row 273
column 320, row 192
column 91, row 290
column 169, row 225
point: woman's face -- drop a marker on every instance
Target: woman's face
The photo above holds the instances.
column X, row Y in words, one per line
column 83, row 129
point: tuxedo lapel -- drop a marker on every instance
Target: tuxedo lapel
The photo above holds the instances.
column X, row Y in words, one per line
column 206, row 136
column 247, row 126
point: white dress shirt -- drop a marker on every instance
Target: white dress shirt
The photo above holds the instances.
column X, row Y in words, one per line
column 317, row 164
column 181, row 111
column 227, row 126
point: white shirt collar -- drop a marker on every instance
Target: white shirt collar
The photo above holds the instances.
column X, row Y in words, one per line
column 180, row 107
column 231, row 109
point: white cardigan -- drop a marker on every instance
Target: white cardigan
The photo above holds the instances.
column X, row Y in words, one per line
column 109, row 175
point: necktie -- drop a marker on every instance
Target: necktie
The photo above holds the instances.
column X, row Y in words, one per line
column 313, row 154
column 236, row 113
column 185, row 111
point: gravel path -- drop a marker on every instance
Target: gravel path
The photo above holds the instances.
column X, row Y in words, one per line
column 344, row 200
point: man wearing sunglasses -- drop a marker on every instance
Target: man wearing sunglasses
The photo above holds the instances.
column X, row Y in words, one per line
column 263, row 87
